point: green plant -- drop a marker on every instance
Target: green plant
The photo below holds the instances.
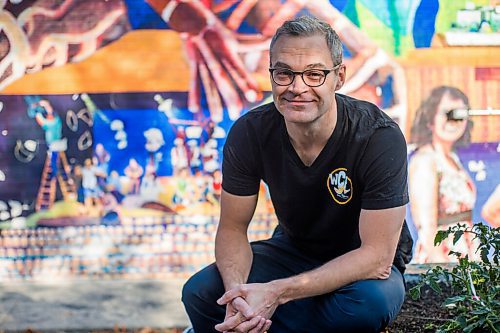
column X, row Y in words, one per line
column 475, row 302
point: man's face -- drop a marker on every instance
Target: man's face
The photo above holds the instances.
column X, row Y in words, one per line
column 299, row 103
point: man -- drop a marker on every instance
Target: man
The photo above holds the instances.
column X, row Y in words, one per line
column 336, row 170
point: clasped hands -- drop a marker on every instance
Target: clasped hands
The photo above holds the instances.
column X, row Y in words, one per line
column 248, row 308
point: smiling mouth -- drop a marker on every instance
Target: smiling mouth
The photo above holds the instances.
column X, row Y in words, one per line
column 297, row 101
column 451, row 128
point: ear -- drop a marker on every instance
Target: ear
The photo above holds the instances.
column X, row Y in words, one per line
column 340, row 77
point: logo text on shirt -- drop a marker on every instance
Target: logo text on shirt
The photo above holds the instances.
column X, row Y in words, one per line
column 340, row 186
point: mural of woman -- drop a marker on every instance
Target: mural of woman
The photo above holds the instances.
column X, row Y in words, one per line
column 441, row 191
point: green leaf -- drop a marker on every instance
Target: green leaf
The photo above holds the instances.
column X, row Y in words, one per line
column 484, row 255
column 468, row 314
column 415, row 292
column 469, row 328
column 455, row 299
column 464, row 262
column 461, row 321
column 480, row 311
column 440, row 236
column 456, row 237
column 435, row 286
column 456, row 254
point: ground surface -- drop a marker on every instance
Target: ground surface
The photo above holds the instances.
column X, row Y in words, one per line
column 90, row 305
column 416, row 317
column 421, row 315
column 143, row 307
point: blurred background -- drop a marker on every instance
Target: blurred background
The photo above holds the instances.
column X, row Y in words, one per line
column 113, row 115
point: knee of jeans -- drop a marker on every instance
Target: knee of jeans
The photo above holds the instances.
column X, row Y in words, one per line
column 381, row 306
column 189, row 291
column 203, row 287
column 369, row 307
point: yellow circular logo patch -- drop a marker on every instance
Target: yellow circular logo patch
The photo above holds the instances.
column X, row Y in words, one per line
column 340, row 186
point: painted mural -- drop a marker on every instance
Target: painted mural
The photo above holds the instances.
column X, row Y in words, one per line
column 113, row 115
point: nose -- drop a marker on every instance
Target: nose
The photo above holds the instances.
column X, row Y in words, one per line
column 298, row 85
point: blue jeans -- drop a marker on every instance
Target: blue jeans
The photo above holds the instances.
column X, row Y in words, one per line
column 362, row 306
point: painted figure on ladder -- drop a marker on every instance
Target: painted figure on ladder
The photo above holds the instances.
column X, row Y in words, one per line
column 56, row 168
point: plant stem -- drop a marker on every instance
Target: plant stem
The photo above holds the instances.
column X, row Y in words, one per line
column 490, row 324
column 457, row 277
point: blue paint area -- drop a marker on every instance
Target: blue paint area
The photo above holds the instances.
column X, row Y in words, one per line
column 142, row 16
column 424, row 29
column 489, row 155
column 139, row 112
column 387, row 93
column 135, row 121
column 339, row 4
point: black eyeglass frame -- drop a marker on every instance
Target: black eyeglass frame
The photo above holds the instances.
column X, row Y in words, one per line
column 301, row 73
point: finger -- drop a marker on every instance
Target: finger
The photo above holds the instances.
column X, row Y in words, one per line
column 259, row 327
column 230, row 323
column 229, row 296
column 267, row 325
column 242, row 306
column 248, row 325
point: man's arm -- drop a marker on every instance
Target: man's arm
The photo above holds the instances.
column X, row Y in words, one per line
column 232, row 249
column 379, row 232
column 234, row 256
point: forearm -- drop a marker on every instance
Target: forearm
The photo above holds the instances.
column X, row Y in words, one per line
column 359, row 264
column 379, row 231
column 233, row 256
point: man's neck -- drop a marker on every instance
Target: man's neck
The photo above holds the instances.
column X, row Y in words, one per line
column 309, row 140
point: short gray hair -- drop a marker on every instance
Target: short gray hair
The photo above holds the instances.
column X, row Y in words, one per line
column 306, row 26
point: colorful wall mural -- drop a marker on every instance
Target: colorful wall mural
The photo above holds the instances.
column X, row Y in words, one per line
column 113, row 115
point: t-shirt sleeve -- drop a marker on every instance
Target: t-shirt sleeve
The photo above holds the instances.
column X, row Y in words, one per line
column 239, row 164
column 384, row 170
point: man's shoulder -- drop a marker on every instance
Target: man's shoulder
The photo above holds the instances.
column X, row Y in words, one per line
column 260, row 117
column 263, row 110
column 365, row 118
column 364, row 111
column 257, row 125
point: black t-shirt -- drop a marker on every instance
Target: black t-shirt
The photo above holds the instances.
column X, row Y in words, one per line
column 362, row 166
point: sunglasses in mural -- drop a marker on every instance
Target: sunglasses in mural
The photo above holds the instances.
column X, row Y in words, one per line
column 463, row 114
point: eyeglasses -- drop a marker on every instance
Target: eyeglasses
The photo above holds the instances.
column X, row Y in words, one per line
column 311, row 77
column 457, row 114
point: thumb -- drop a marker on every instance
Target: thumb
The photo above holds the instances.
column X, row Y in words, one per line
column 228, row 296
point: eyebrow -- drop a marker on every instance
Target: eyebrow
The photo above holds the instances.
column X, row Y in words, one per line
column 279, row 64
